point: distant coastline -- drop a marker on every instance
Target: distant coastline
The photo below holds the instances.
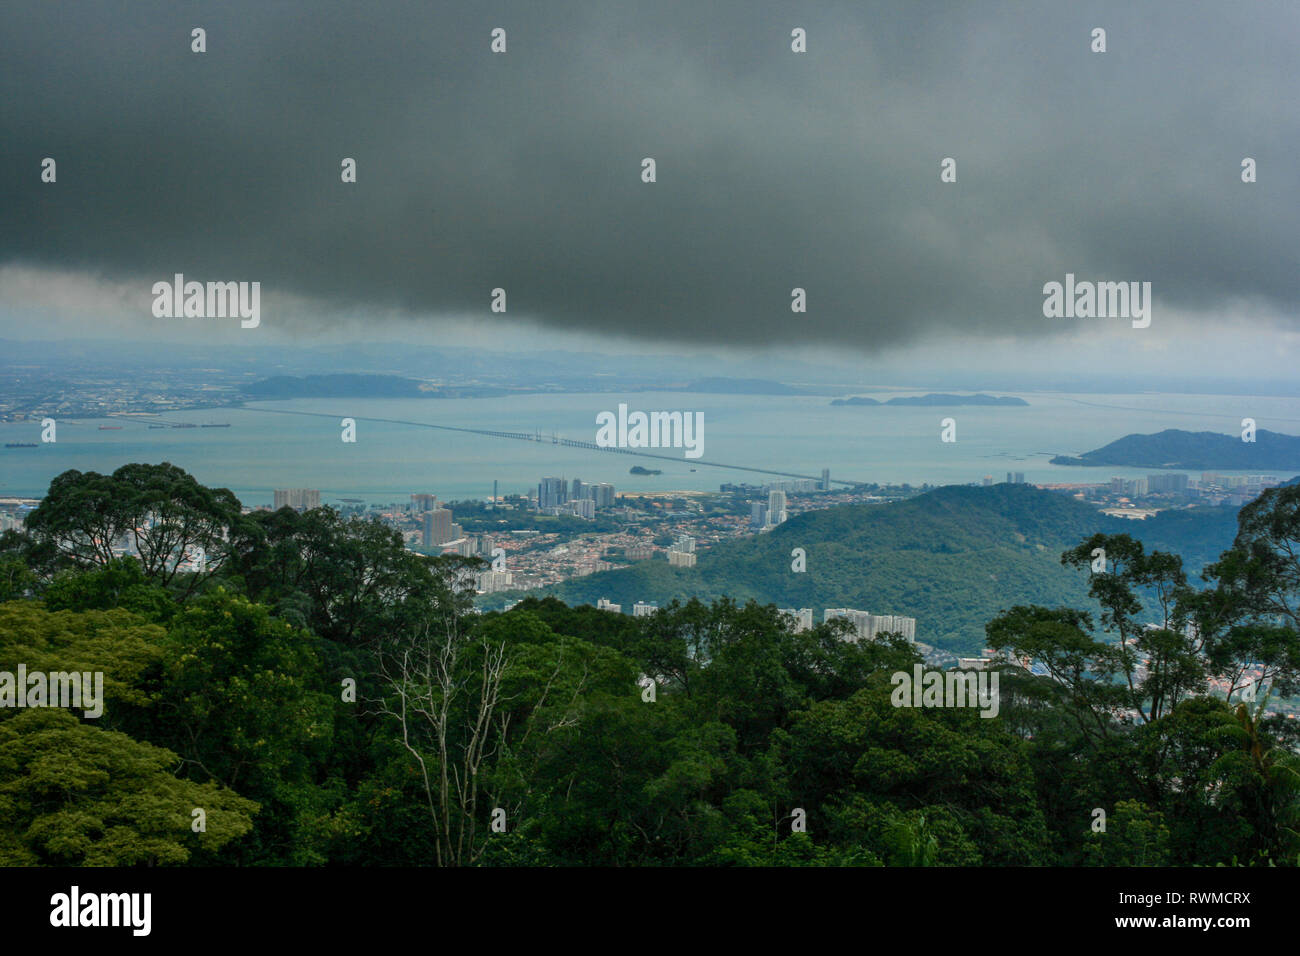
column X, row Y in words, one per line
column 935, row 398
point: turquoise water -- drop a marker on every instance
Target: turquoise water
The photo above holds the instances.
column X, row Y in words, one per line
column 261, row 451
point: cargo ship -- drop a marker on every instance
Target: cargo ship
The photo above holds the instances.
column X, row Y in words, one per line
column 186, row 425
column 110, row 428
column 20, row 444
column 226, row 425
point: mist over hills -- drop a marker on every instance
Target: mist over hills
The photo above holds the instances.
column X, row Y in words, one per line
column 952, row 558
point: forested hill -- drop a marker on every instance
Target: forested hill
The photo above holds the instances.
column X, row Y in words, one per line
column 952, row 558
column 1196, row 451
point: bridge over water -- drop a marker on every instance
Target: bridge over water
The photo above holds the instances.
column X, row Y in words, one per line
column 535, row 436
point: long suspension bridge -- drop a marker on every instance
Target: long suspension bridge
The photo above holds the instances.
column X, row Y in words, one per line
column 536, row 436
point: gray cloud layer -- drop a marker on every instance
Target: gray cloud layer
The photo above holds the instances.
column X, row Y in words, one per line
column 775, row 170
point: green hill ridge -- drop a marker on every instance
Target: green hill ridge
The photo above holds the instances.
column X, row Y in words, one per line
column 952, row 558
column 1195, row 451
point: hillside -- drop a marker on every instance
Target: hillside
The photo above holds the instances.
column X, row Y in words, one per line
column 334, row 386
column 952, row 558
column 1195, row 451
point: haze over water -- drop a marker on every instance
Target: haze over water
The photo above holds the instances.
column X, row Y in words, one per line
column 802, row 434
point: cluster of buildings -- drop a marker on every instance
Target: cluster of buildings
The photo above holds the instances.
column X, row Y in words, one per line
column 639, row 609
column 1180, row 484
column 682, row 552
column 299, row 499
column 1211, row 488
column 437, row 529
column 791, row 486
column 557, row 496
column 1238, row 489
column 14, row 512
column 868, row 626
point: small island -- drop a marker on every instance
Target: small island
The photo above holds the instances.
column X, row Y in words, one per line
column 638, row 470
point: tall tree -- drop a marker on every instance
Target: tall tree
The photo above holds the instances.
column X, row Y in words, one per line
column 161, row 511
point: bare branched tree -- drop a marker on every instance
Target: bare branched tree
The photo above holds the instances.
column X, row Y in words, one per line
column 445, row 706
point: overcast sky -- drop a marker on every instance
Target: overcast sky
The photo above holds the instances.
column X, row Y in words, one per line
column 775, row 169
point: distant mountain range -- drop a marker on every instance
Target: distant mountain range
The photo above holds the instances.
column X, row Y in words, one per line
column 952, row 558
column 1196, row 451
column 746, row 386
column 936, row 398
column 361, row 386
column 586, row 370
column 334, row 386
column 392, row 386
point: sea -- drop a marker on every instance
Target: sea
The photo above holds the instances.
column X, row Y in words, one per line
column 297, row 444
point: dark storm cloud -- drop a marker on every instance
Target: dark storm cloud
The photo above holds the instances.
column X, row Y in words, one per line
column 775, row 170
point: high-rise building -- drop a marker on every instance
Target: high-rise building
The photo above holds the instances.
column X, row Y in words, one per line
column 758, row 515
column 300, row 499
column 422, row 503
column 604, row 605
column 803, row 618
column 642, row 609
column 465, row 547
column 491, row 581
column 826, row 479
column 682, row 553
column 1172, row 483
column 892, row 624
column 867, row 626
column 775, row 507
column 551, row 493
column 437, row 527
column 602, row 494
column 798, row 486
